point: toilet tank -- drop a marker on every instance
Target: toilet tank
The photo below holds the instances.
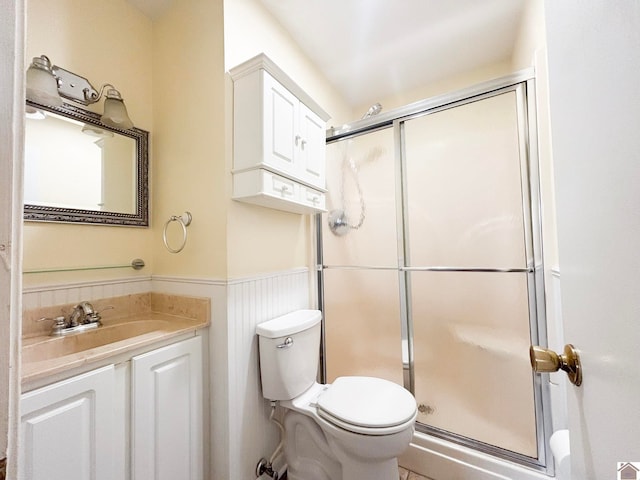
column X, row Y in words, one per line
column 289, row 353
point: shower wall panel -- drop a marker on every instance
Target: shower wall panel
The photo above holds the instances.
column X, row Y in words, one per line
column 360, row 181
column 361, row 290
column 463, row 186
column 363, row 324
column 471, row 343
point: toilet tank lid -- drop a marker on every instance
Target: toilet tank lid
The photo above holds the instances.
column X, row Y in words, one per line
column 294, row 322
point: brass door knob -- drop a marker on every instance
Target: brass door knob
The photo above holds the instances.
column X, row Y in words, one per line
column 544, row 360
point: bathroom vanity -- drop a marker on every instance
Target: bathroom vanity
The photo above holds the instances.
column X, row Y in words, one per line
column 131, row 408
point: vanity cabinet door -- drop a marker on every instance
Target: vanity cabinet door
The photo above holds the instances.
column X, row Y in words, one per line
column 281, row 137
column 167, row 413
column 311, row 153
column 67, row 429
column 294, row 136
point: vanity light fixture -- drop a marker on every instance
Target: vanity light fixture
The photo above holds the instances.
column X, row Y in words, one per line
column 95, row 131
column 47, row 83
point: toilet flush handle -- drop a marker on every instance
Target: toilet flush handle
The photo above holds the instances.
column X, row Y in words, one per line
column 286, row 344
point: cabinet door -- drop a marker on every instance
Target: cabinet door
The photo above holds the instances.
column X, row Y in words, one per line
column 167, row 422
column 312, row 147
column 67, row 429
column 280, row 130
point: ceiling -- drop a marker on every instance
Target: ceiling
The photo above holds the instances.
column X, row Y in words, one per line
column 370, row 49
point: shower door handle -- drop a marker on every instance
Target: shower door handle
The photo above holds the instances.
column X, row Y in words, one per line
column 544, row 360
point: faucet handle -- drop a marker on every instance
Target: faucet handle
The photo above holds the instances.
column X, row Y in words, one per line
column 108, row 307
column 59, row 324
column 96, row 317
column 57, row 320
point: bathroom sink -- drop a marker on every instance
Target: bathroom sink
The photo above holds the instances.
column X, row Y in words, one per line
column 134, row 325
column 54, row 347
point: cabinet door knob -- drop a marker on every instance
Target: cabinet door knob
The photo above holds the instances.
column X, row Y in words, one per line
column 297, row 140
column 303, row 143
column 284, row 190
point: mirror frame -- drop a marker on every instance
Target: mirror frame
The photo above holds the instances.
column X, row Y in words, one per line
column 43, row 213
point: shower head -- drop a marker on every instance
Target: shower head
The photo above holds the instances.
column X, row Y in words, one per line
column 374, row 109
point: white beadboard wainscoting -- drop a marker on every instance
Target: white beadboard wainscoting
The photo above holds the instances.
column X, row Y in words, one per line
column 63, row 293
column 240, row 432
column 250, row 302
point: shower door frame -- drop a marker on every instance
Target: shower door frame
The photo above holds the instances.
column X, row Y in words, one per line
column 523, row 84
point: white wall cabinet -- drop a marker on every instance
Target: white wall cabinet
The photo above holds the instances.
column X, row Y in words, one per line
column 140, row 419
column 167, row 416
column 67, row 429
column 279, row 140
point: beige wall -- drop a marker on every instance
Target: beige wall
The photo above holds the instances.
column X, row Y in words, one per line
column 531, row 51
column 265, row 240
column 170, row 74
column 531, row 36
column 189, row 138
column 105, row 42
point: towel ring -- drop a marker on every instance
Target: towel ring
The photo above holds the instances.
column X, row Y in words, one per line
column 184, row 220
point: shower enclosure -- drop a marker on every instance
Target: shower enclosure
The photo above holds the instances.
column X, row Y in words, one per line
column 430, row 265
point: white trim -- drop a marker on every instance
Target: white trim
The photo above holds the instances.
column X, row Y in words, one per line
column 12, row 77
column 436, row 458
column 197, row 280
column 80, row 284
column 161, row 278
column 231, row 281
column 264, row 276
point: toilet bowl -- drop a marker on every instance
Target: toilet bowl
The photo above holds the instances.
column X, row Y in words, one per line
column 352, row 429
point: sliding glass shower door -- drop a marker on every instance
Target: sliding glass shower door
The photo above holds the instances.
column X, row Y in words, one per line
column 430, row 268
column 468, row 266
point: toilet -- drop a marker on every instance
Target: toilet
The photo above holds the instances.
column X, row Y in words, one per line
column 352, row 429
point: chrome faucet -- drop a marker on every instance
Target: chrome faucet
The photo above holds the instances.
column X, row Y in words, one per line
column 83, row 317
column 83, row 314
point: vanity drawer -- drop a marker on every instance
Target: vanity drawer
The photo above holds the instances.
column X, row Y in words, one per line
column 280, row 186
column 313, row 198
column 265, row 188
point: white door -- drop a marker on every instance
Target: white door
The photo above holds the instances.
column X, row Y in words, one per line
column 594, row 89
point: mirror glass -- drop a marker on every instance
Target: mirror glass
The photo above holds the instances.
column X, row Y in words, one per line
column 77, row 169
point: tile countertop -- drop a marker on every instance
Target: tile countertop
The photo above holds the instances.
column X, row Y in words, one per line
column 45, row 356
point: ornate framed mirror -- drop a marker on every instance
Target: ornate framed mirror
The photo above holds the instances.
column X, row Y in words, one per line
column 79, row 170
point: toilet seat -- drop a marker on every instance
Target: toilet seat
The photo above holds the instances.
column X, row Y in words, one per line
column 367, row 405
